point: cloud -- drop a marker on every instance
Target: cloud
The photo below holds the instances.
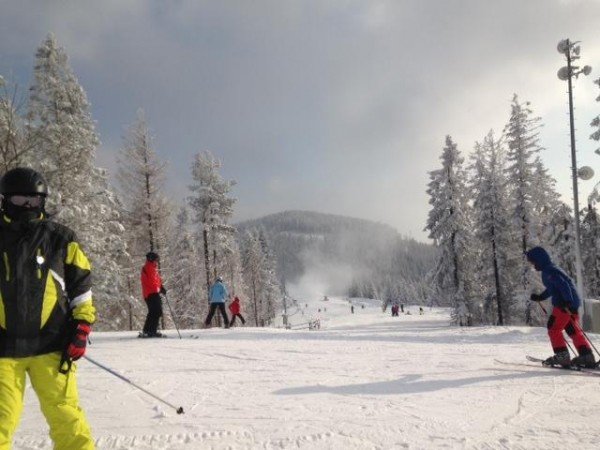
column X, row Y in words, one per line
column 337, row 106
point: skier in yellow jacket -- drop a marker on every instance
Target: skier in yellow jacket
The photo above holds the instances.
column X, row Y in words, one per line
column 46, row 312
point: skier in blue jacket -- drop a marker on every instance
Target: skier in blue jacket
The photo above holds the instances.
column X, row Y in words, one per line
column 218, row 295
column 565, row 302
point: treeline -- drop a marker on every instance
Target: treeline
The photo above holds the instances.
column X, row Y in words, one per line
column 353, row 257
column 52, row 131
column 487, row 211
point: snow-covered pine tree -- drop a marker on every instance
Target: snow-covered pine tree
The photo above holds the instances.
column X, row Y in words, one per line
column 590, row 233
column 15, row 149
column 186, row 280
column 212, row 208
column 449, row 225
column 271, row 288
column 590, row 239
column 521, row 136
column 490, row 218
column 141, row 182
column 59, row 114
column 252, row 262
column 559, row 233
column 596, row 121
column 146, row 210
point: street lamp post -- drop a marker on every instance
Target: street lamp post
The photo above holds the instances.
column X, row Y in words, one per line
column 571, row 52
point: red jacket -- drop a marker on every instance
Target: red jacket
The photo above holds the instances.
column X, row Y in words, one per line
column 234, row 307
column 151, row 281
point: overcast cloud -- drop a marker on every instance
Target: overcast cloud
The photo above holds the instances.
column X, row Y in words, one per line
column 331, row 106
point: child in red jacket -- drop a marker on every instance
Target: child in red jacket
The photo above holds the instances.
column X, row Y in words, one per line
column 235, row 309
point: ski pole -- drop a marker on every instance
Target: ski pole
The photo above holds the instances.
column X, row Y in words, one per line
column 582, row 332
column 172, row 315
column 112, row 372
column 586, row 336
column 568, row 345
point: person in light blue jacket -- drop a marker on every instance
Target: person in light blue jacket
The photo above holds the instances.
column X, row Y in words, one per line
column 218, row 296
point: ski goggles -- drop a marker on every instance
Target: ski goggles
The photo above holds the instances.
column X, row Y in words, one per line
column 33, row 201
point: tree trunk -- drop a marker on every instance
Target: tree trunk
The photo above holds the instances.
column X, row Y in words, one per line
column 206, row 262
column 254, row 300
column 499, row 298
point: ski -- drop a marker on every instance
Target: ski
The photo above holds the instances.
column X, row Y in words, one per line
column 144, row 336
column 595, row 371
column 537, row 362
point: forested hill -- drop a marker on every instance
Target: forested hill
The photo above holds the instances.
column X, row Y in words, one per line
column 347, row 255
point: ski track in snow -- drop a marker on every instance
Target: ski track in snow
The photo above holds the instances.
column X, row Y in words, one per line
column 364, row 381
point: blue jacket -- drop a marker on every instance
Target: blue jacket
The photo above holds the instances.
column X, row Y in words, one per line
column 558, row 284
column 218, row 293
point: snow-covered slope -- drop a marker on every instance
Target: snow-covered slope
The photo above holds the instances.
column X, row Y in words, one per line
column 364, row 381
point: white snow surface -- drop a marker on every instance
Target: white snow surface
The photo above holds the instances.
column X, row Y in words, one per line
column 363, row 381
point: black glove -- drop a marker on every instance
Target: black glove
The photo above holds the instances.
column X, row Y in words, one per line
column 536, row 298
column 163, row 291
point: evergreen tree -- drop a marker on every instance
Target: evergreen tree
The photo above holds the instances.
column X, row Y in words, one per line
column 186, row 280
column 212, row 208
column 252, row 264
column 15, row 149
column 65, row 153
column 491, row 224
column 590, row 233
column 271, row 289
column 590, row 238
column 596, row 121
column 449, row 226
column 258, row 268
column 521, row 135
column 146, row 211
column 141, row 179
column 560, row 235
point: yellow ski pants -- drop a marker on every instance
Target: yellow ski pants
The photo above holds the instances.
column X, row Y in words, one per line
column 58, row 398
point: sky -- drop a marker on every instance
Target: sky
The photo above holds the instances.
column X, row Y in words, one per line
column 339, row 107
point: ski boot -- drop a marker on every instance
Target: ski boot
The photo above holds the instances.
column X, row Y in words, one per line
column 586, row 360
column 560, row 358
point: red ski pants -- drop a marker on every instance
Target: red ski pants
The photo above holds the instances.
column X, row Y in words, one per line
column 560, row 320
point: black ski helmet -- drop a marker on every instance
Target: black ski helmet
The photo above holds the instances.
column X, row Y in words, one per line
column 151, row 256
column 23, row 181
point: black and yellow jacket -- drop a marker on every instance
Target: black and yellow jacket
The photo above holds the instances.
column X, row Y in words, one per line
column 45, row 280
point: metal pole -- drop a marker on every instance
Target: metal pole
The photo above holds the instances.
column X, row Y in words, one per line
column 127, row 380
column 172, row 315
column 578, row 265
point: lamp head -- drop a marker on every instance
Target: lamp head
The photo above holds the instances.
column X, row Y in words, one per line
column 585, row 172
column 563, row 46
column 563, row 73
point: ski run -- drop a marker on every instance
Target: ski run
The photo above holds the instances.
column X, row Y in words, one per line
column 363, row 381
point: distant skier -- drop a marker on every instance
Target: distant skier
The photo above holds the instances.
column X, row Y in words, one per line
column 395, row 309
column 152, row 287
column 421, row 312
column 352, row 309
column 218, row 295
column 402, row 307
column 565, row 302
column 235, row 309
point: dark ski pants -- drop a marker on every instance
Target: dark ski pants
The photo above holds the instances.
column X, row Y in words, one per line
column 154, row 304
column 562, row 319
column 233, row 319
column 211, row 313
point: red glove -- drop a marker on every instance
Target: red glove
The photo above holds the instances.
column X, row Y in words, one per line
column 76, row 348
